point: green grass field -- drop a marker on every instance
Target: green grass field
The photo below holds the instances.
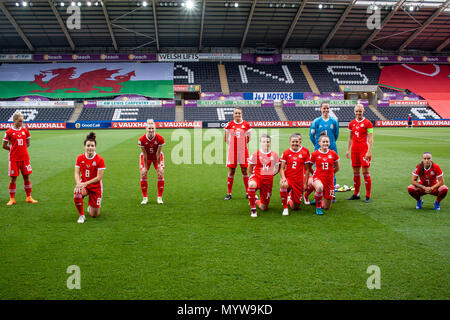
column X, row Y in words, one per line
column 198, row 246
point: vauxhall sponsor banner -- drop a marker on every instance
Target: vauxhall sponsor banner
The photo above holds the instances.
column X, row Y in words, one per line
column 87, row 80
column 35, row 125
column 417, row 123
column 277, row 96
column 160, row 125
column 36, row 103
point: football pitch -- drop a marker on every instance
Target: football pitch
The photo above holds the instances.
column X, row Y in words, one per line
column 198, row 246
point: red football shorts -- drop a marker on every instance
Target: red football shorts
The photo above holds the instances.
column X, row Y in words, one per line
column 15, row 166
column 265, row 188
column 240, row 157
column 359, row 161
column 328, row 187
column 149, row 162
column 297, row 190
column 95, row 194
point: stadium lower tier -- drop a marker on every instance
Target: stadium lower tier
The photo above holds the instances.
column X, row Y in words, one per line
column 213, row 114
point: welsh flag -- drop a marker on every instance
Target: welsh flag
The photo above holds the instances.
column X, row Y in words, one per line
column 87, row 80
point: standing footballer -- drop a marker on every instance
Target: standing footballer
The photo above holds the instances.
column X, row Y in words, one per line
column 360, row 142
column 18, row 139
column 151, row 144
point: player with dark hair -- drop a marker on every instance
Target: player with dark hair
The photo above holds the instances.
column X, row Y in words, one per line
column 263, row 164
column 294, row 173
column 427, row 178
column 151, row 144
column 18, row 138
column 89, row 169
column 360, row 142
column 327, row 164
column 237, row 136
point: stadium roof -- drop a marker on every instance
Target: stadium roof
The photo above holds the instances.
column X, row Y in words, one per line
column 292, row 26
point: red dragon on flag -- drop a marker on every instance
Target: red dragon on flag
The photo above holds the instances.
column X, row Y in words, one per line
column 86, row 82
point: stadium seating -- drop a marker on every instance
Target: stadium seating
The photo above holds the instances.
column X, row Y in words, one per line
column 310, row 113
column 282, row 77
column 328, row 76
column 401, row 112
column 127, row 113
column 37, row 114
column 206, row 74
column 226, row 114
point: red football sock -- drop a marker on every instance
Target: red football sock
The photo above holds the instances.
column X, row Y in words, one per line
column 318, row 198
column 283, row 195
column 245, row 178
column 291, row 204
column 78, row 199
column 27, row 187
column 144, row 187
column 368, row 182
column 308, row 191
column 230, row 180
column 356, row 182
column 414, row 192
column 12, row 190
column 442, row 192
column 160, row 186
column 251, row 197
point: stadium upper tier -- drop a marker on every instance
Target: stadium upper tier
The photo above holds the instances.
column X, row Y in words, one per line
column 205, row 74
column 329, row 76
column 401, row 112
column 37, row 114
column 127, row 113
column 282, row 77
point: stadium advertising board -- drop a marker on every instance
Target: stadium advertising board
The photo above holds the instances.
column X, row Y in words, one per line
column 94, row 57
column 221, row 96
column 267, row 103
column 32, row 98
column 119, row 103
column 16, row 57
column 323, row 96
column 35, row 125
column 186, row 88
column 206, row 103
column 172, row 57
column 300, row 57
column 159, row 124
column 427, row 59
column 219, row 56
column 277, row 96
column 417, row 123
column 409, row 102
column 89, row 125
column 341, row 57
column 331, row 102
column 168, row 103
column 36, row 103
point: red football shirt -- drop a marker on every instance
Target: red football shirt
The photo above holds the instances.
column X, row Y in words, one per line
column 359, row 131
column 324, row 163
column 295, row 163
column 151, row 145
column 429, row 176
column 237, row 139
column 89, row 168
column 264, row 163
column 18, row 143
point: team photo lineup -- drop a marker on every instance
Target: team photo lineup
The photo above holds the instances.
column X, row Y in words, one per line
column 222, row 155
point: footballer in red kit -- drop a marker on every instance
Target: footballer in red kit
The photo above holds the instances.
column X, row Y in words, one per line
column 17, row 141
column 360, row 144
column 89, row 169
column 263, row 164
column 427, row 178
column 327, row 164
column 151, row 144
column 294, row 173
column 237, row 136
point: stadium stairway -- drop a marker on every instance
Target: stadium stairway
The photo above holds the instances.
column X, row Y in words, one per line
column 280, row 112
column 179, row 113
column 310, row 79
column 223, row 79
column 375, row 110
column 76, row 112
